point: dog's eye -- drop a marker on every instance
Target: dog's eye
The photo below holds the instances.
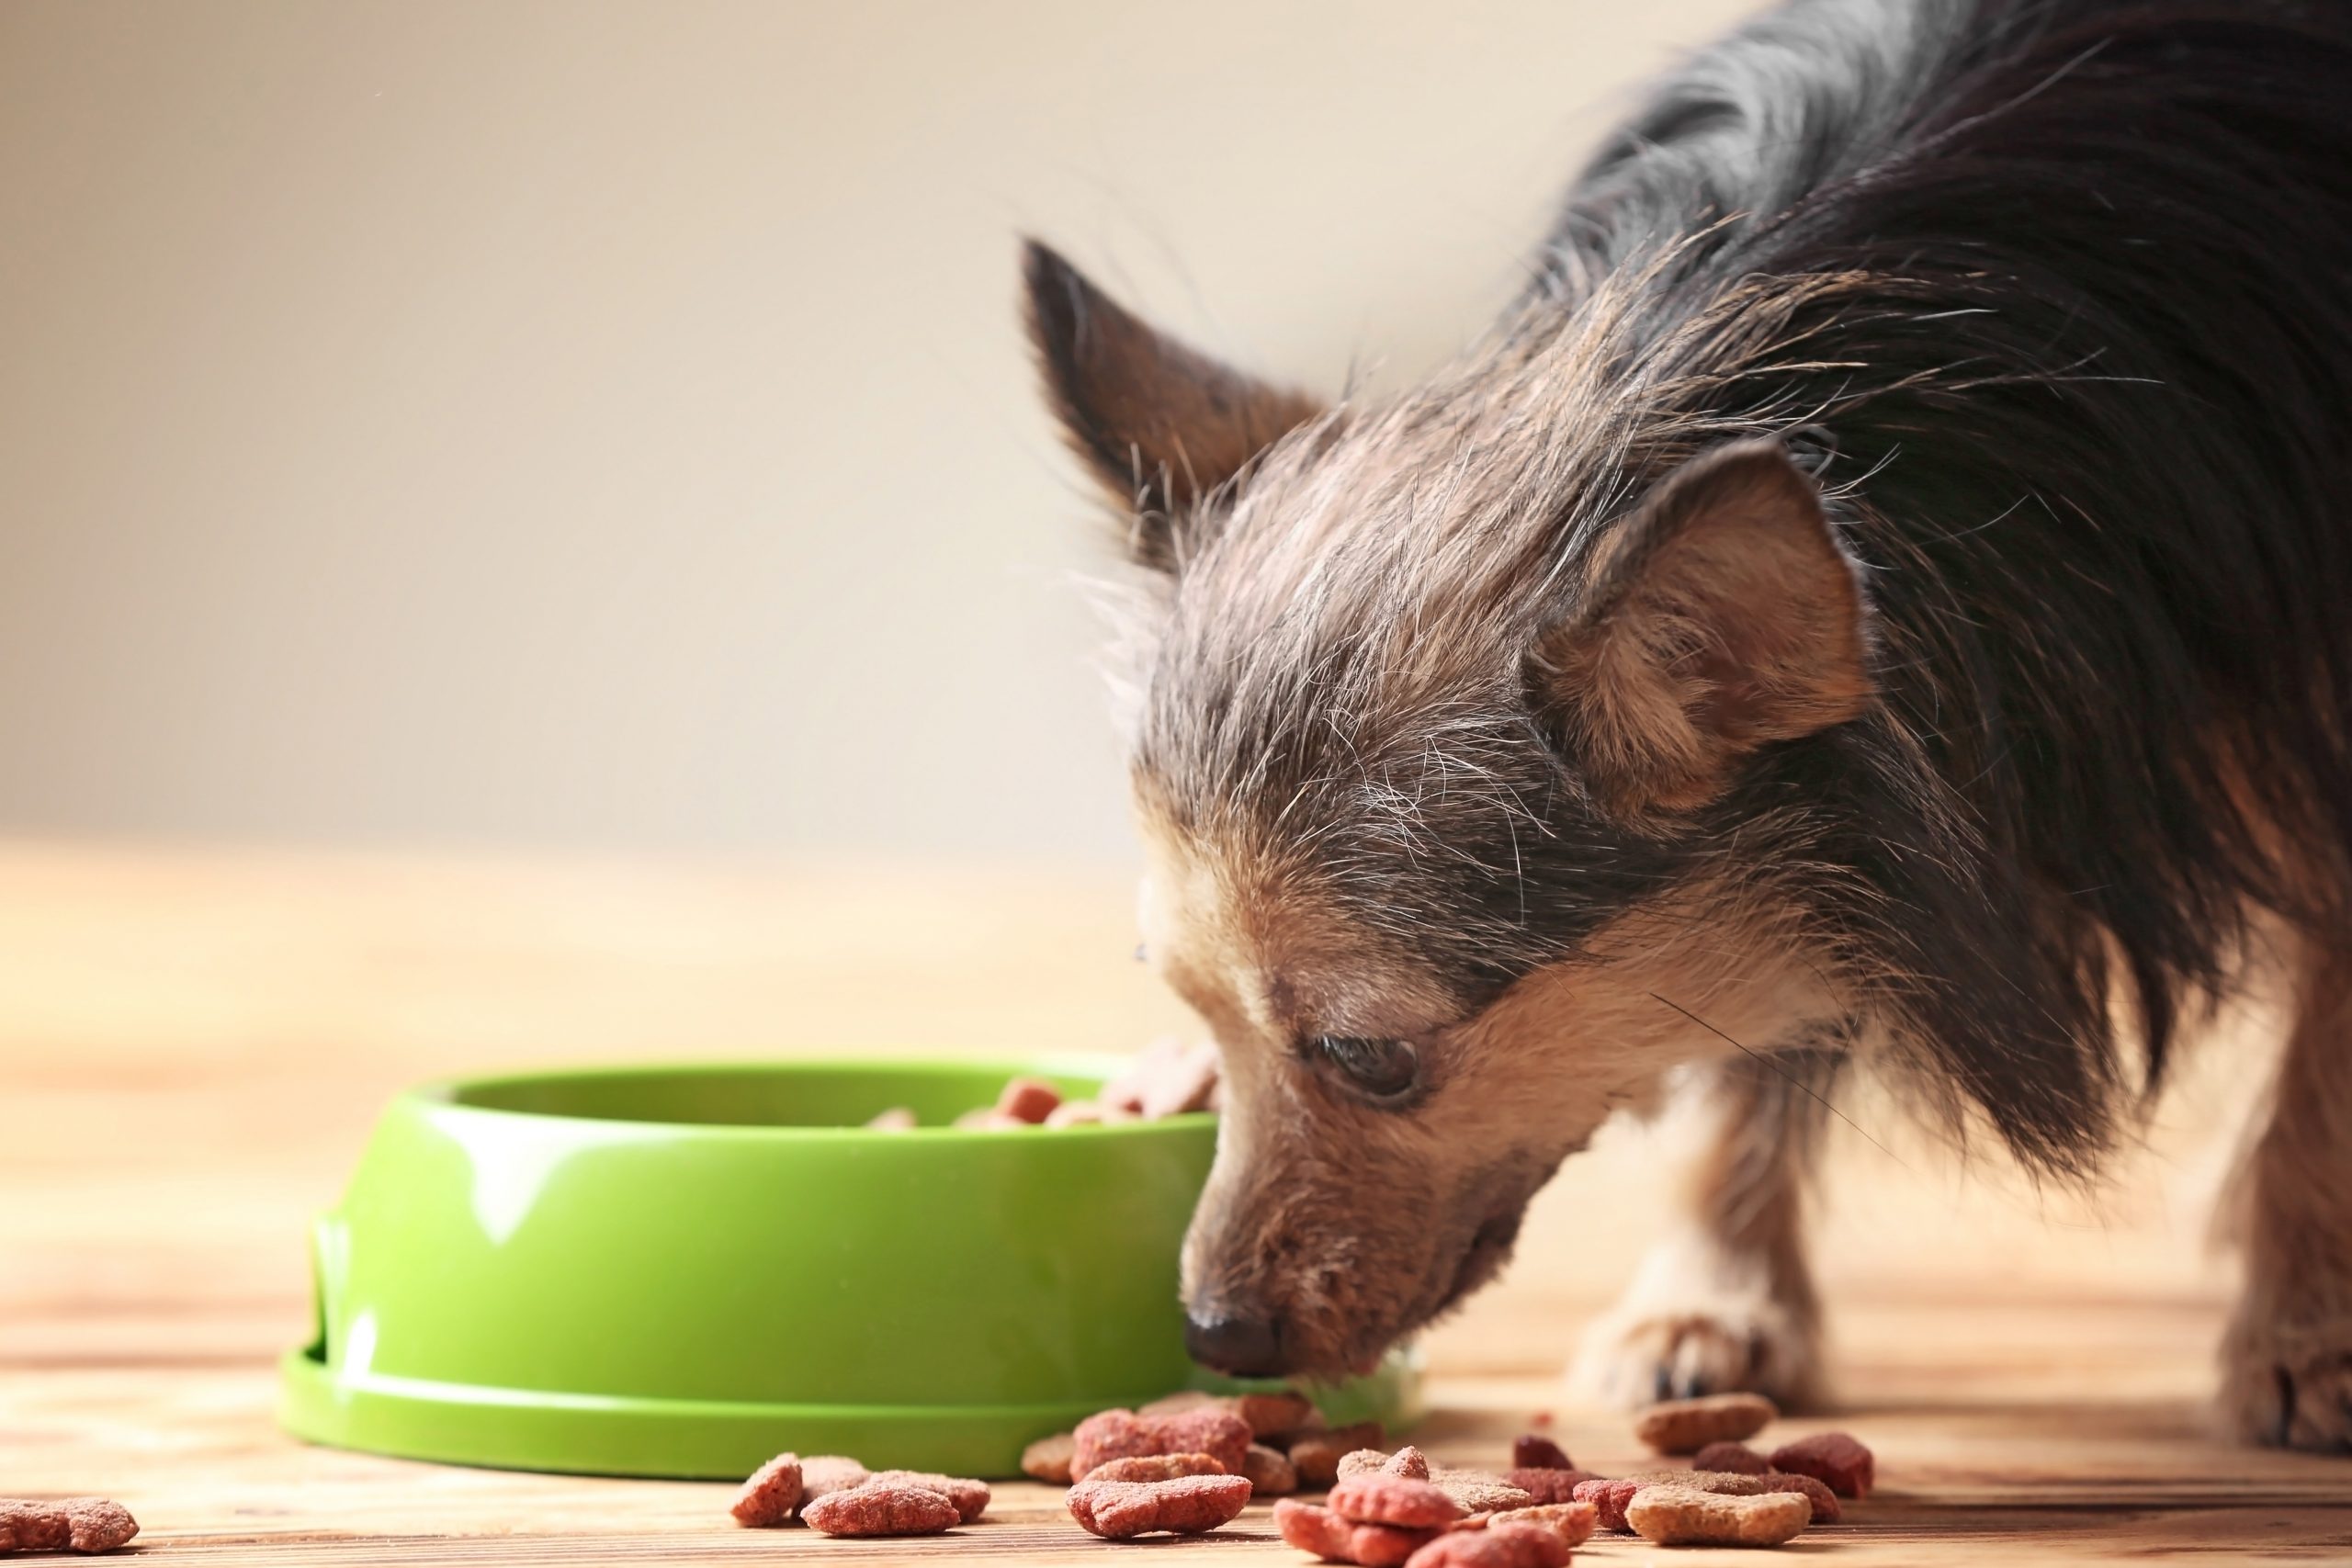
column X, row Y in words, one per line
column 1385, row 1069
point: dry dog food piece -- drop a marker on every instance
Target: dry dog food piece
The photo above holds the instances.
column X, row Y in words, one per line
column 1549, row 1485
column 1120, row 1434
column 1496, row 1546
column 1535, row 1451
column 1078, row 1113
column 1317, row 1455
column 69, row 1524
column 1409, row 1461
column 1048, row 1459
column 970, row 1498
column 1686, row 1426
column 1834, row 1458
column 1382, row 1499
column 1270, row 1470
column 1825, row 1509
column 830, row 1473
column 1475, row 1491
column 987, row 1119
column 772, row 1496
column 897, row 1119
column 1387, row 1546
column 1683, row 1516
column 1028, row 1099
column 1157, row 1467
column 1272, row 1414
column 1310, row 1526
column 881, row 1507
column 1612, row 1497
column 1572, row 1522
column 1186, row 1506
column 1735, row 1459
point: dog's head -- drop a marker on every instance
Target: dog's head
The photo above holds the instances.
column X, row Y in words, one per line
column 1446, row 723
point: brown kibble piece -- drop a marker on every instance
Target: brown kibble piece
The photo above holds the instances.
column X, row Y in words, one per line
column 1317, row 1455
column 1736, row 1459
column 1387, row 1546
column 1826, row 1508
column 771, row 1496
column 1834, row 1458
column 1074, row 1114
column 881, row 1507
column 1273, row 1415
column 1686, row 1426
column 1683, row 1516
column 1048, row 1459
column 1270, row 1471
column 1366, row 1462
column 1572, row 1522
column 1119, row 1434
column 1310, row 1526
column 1549, row 1485
column 1476, row 1492
column 1384, row 1499
column 69, row 1524
column 1496, row 1546
column 1409, row 1461
column 1028, row 1099
column 1612, row 1497
column 1535, row 1451
column 1157, row 1467
column 970, row 1498
column 897, row 1119
column 1186, row 1506
column 829, row 1472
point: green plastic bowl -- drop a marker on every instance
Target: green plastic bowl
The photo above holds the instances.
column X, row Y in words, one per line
column 681, row 1271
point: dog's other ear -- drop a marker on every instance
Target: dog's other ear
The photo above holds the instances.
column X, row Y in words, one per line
column 1719, row 616
column 1158, row 423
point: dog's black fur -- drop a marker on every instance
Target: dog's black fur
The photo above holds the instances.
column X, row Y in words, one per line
column 2062, row 294
column 2093, row 394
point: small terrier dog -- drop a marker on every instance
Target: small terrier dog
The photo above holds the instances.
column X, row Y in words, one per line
column 1878, row 596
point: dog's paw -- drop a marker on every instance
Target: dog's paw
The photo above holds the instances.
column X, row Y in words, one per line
column 2289, row 1385
column 1695, row 1321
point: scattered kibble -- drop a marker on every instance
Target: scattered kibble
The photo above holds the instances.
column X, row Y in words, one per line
column 1317, row 1455
column 1030, row 1101
column 772, row 1496
column 1535, row 1451
column 1476, row 1492
column 881, row 1507
column 1384, row 1499
column 1188, row 1504
column 1497, row 1546
column 1572, row 1522
column 1270, row 1470
column 1834, row 1458
column 1048, row 1459
column 1119, row 1434
column 1686, row 1426
column 1684, row 1516
column 1548, row 1485
column 970, row 1498
column 69, row 1524
column 1157, row 1467
column 830, row 1473
column 1736, row 1458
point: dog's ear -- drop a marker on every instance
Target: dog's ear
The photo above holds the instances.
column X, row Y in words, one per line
column 1719, row 616
column 1158, row 423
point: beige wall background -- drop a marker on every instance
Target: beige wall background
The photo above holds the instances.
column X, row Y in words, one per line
column 604, row 424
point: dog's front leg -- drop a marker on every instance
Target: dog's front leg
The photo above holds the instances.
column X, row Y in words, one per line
column 2286, row 1362
column 1726, row 1301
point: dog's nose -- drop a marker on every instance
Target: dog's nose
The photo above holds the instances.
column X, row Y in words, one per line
column 1239, row 1345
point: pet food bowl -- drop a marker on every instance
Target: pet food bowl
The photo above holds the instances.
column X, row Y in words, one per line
column 679, row 1271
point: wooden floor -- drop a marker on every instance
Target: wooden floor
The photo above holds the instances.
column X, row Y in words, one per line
column 192, row 1046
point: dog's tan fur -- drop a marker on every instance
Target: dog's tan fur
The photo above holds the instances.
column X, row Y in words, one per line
column 2287, row 1359
column 1355, row 1224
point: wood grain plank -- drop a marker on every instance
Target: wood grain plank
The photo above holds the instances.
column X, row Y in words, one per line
column 192, row 1046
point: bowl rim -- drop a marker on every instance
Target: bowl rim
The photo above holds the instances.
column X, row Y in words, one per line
column 440, row 1098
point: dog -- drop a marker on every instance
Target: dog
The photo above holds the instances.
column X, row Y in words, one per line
column 1876, row 601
